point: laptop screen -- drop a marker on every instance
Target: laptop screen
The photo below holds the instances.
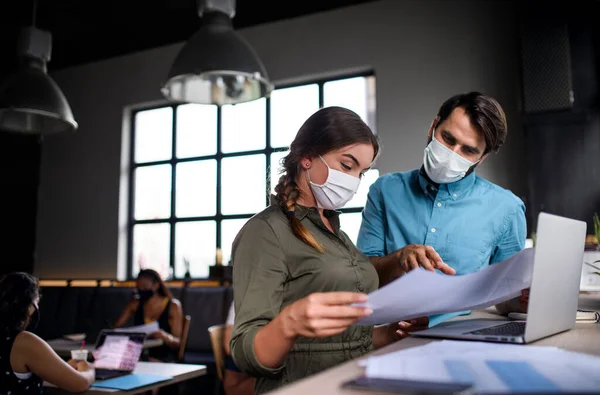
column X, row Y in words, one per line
column 118, row 350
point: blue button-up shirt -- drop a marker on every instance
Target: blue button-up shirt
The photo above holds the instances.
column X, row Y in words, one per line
column 471, row 223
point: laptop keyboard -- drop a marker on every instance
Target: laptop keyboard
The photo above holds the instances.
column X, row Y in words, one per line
column 516, row 328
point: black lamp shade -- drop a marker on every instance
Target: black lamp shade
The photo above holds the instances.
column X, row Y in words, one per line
column 32, row 103
column 216, row 66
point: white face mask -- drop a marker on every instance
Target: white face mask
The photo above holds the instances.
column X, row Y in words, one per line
column 338, row 189
column 442, row 165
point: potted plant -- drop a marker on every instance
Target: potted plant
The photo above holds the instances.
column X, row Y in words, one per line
column 597, row 227
column 590, row 276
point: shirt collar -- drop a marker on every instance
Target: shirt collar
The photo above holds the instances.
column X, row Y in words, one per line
column 302, row 211
column 455, row 189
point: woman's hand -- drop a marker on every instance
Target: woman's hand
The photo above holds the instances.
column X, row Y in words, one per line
column 160, row 334
column 323, row 314
column 81, row 366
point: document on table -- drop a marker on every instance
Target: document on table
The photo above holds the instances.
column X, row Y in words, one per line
column 147, row 328
column 490, row 367
column 422, row 293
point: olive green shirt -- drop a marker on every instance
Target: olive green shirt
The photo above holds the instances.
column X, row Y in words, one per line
column 272, row 269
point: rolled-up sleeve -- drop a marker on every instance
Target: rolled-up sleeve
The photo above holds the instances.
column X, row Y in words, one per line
column 259, row 275
column 371, row 237
column 514, row 233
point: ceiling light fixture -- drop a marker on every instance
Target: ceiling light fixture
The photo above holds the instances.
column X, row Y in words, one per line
column 216, row 65
column 30, row 101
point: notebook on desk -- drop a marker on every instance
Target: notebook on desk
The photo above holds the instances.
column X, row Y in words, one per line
column 582, row 316
column 131, row 381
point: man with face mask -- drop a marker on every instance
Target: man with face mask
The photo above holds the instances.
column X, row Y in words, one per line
column 443, row 216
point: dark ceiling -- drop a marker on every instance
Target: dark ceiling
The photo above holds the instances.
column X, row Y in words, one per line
column 86, row 31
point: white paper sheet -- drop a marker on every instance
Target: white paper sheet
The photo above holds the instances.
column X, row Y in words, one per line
column 147, row 328
column 422, row 293
column 545, row 368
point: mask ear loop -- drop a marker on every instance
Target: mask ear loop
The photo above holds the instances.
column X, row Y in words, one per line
column 328, row 172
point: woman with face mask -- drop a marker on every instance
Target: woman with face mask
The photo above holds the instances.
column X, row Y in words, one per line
column 296, row 274
column 154, row 302
column 26, row 361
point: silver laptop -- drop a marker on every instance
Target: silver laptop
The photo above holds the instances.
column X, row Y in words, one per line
column 554, row 293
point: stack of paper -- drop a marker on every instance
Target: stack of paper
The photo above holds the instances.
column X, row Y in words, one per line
column 497, row 368
column 422, row 293
column 147, row 328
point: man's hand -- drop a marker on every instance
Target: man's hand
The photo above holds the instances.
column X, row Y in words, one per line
column 405, row 328
column 415, row 255
column 388, row 334
column 524, row 300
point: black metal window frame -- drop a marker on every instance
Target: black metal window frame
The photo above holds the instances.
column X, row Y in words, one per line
column 172, row 220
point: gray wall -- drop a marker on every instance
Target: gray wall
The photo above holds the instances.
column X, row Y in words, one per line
column 421, row 51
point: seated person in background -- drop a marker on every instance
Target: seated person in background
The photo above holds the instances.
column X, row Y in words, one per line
column 26, row 361
column 155, row 302
column 234, row 381
column 443, row 216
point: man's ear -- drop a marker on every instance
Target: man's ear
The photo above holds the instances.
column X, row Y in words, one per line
column 434, row 124
column 483, row 158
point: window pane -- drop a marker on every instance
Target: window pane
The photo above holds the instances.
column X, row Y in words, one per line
column 244, row 126
column 195, row 248
column 350, row 223
column 290, row 107
column 153, row 192
column 276, row 167
column 196, row 191
column 153, row 135
column 151, row 248
column 360, row 199
column 196, row 130
column 356, row 94
column 229, row 230
column 243, row 184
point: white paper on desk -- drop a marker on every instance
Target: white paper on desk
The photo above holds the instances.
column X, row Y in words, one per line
column 422, row 293
column 147, row 328
column 451, row 361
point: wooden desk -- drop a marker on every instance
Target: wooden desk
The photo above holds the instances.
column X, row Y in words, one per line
column 63, row 347
column 585, row 338
column 179, row 372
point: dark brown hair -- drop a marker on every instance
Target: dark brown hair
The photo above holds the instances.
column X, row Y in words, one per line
column 485, row 114
column 18, row 291
column 155, row 278
column 327, row 130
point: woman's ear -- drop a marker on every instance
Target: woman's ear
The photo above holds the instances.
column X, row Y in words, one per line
column 306, row 163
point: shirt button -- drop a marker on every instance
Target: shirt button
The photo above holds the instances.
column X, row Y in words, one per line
column 360, row 287
column 454, row 195
column 439, row 204
column 432, row 230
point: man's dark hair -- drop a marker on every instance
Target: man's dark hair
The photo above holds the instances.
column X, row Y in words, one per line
column 485, row 114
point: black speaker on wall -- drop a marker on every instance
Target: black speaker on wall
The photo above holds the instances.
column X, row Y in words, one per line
column 546, row 55
column 558, row 58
